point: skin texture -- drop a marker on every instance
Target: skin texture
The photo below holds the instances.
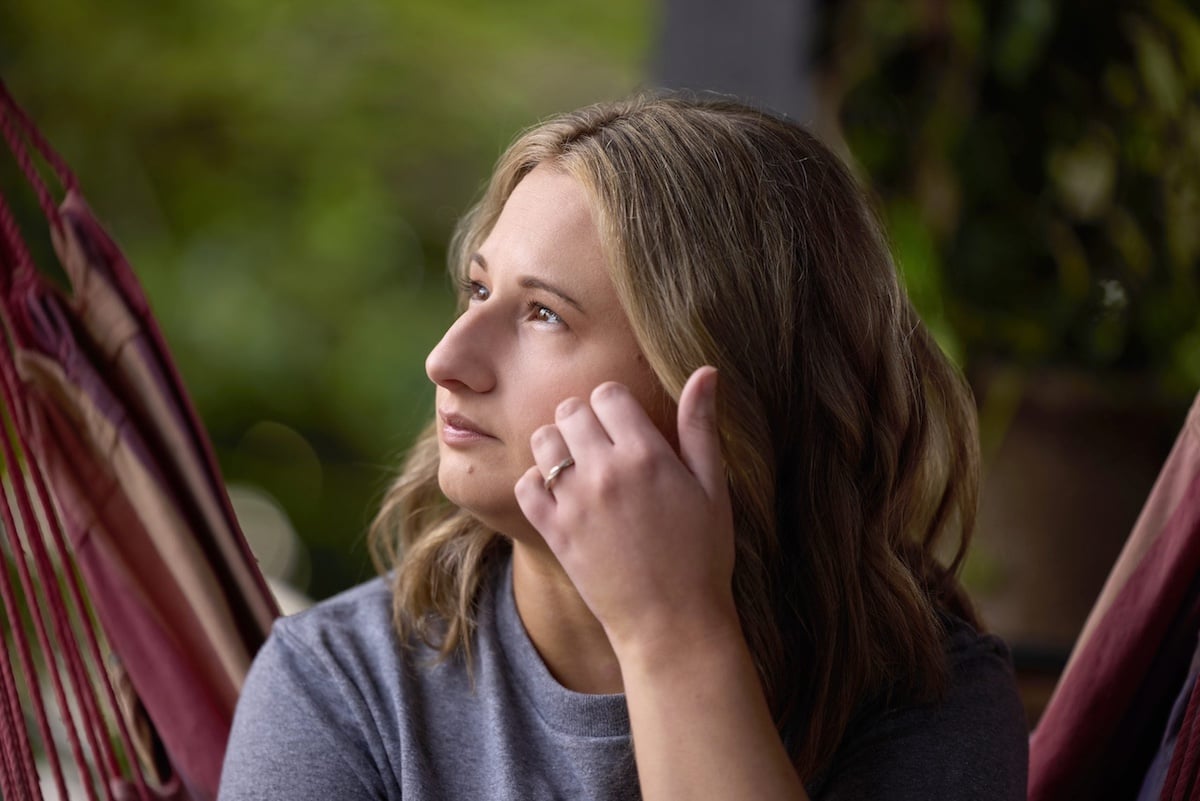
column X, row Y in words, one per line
column 506, row 363
column 622, row 571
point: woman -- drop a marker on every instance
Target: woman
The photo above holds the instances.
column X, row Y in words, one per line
column 616, row 575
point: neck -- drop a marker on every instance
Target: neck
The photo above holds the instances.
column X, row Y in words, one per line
column 567, row 636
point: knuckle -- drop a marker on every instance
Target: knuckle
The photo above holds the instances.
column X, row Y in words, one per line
column 608, row 483
column 641, row 459
column 607, row 487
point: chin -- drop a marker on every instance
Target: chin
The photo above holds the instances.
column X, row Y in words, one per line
column 492, row 506
column 479, row 495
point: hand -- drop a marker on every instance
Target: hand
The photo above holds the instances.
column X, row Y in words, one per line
column 645, row 535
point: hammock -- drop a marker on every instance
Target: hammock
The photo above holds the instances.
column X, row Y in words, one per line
column 131, row 601
column 1127, row 708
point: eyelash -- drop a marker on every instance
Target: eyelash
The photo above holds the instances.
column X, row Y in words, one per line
column 471, row 290
column 537, row 310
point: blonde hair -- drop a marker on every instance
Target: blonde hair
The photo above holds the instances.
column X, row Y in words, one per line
column 736, row 239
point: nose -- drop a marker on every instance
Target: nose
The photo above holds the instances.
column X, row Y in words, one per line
column 461, row 360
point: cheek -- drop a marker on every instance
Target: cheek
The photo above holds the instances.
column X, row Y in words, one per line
column 662, row 411
column 534, row 413
column 545, row 387
column 654, row 399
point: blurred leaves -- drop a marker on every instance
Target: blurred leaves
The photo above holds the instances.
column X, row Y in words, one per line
column 284, row 176
column 1051, row 150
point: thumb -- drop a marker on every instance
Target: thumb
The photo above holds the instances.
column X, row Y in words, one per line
column 699, row 436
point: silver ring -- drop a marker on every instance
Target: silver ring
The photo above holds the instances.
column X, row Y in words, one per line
column 555, row 471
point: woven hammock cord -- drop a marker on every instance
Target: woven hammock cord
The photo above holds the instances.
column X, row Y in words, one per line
column 67, row 650
column 82, row 689
column 18, row 752
column 18, row 764
column 79, row 609
column 37, row 615
column 64, row 174
column 14, row 249
column 11, row 127
column 93, row 722
column 36, row 611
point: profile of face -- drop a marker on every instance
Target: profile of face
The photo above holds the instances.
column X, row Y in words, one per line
column 543, row 323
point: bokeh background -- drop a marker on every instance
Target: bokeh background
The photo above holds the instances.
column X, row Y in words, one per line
column 284, row 175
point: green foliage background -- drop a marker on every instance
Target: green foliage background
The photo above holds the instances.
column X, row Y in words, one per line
column 1039, row 165
column 284, row 176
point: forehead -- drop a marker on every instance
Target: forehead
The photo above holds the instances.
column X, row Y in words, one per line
column 547, row 226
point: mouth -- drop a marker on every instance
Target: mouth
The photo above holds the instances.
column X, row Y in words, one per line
column 459, row 429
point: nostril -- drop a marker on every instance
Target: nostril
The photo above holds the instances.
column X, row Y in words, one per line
column 457, row 361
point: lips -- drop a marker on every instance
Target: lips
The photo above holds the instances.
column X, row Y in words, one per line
column 459, row 428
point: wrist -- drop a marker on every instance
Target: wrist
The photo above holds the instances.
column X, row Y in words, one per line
column 682, row 644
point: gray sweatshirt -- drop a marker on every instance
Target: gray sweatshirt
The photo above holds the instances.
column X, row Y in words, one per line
column 334, row 708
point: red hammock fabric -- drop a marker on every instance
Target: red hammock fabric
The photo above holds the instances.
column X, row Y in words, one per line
column 1107, row 715
column 129, row 499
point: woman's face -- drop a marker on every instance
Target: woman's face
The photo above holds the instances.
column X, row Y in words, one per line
column 542, row 324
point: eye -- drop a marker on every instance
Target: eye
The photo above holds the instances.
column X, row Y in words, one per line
column 544, row 314
column 473, row 290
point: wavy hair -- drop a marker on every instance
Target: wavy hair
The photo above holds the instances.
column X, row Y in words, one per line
column 737, row 239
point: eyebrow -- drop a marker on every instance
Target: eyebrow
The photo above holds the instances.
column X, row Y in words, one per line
column 529, row 282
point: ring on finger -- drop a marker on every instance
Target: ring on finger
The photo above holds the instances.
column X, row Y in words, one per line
column 556, row 471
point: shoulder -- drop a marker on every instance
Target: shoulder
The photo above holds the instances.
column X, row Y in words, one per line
column 312, row 716
column 980, row 723
column 981, row 677
column 341, row 645
column 971, row 743
column 357, row 621
column 345, row 652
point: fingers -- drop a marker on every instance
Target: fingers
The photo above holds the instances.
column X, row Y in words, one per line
column 622, row 459
column 580, row 431
column 585, row 436
column 536, row 502
column 614, row 418
column 699, row 435
column 549, row 451
column 622, row 416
